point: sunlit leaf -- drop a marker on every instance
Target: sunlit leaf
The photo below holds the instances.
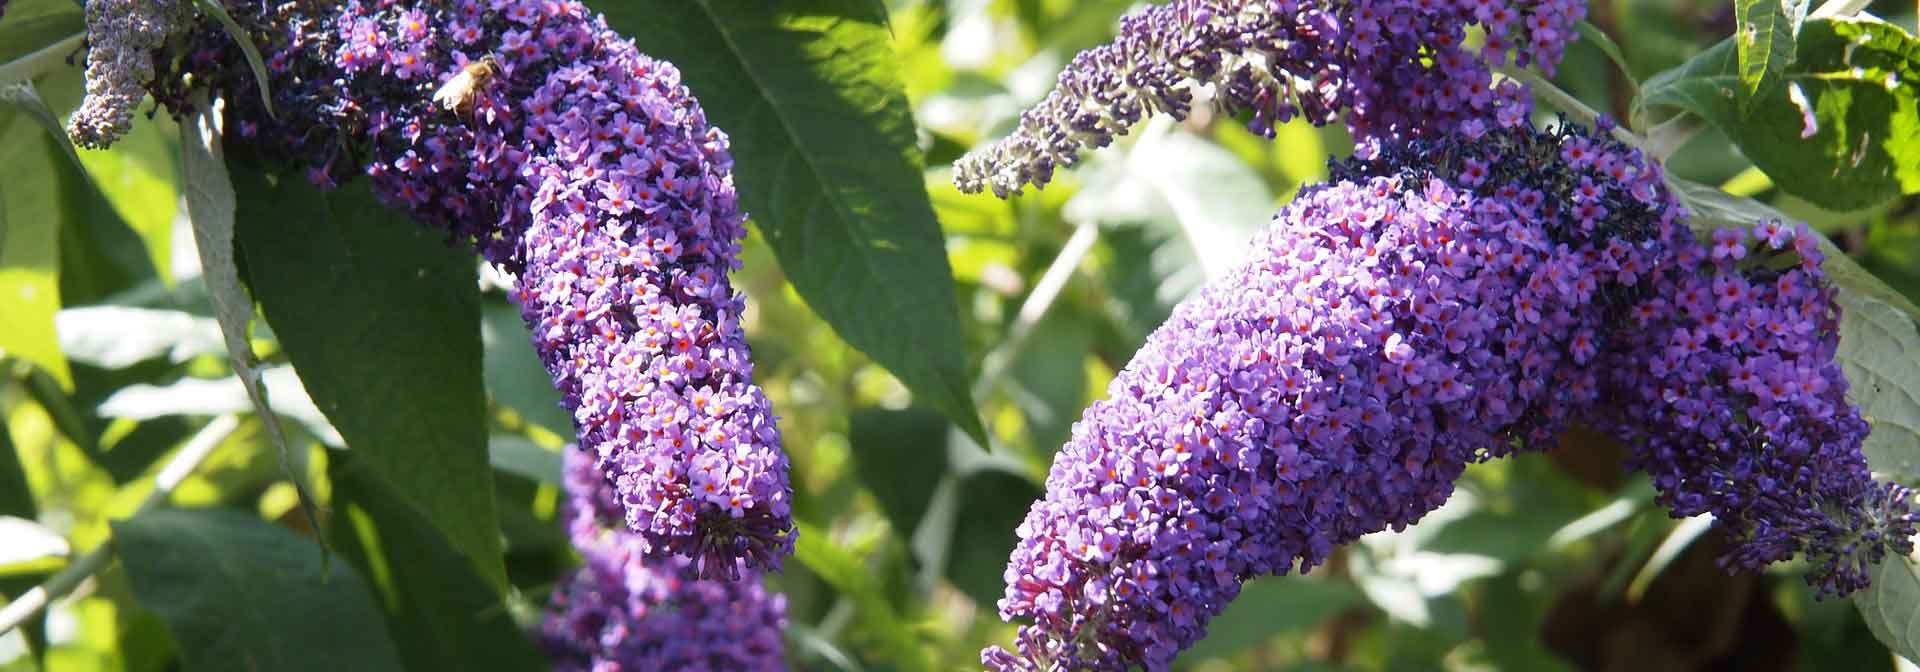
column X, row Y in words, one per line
column 1843, row 129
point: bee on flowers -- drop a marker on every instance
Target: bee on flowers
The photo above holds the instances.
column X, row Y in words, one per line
column 459, row 92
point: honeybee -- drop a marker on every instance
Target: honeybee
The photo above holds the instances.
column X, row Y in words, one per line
column 461, row 89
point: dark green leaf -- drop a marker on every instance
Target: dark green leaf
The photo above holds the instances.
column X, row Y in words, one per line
column 515, row 376
column 382, row 321
column 1852, row 79
column 1606, row 45
column 1050, row 376
column 241, row 594
column 60, row 408
column 1763, row 37
column 439, row 610
column 810, row 92
column 1271, row 606
column 900, row 456
column 993, row 503
column 100, row 254
column 15, row 498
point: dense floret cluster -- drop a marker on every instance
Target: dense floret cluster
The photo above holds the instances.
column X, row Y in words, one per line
column 1430, row 307
column 590, row 172
column 621, row 611
column 121, row 38
column 1724, row 384
column 1442, row 302
column 1399, row 68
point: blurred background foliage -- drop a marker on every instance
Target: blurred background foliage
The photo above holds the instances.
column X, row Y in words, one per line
column 1544, row 562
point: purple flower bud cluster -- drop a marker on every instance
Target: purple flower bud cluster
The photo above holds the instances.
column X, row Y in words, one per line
column 1724, row 385
column 534, row 132
column 624, row 611
column 1434, row 305
column 1399, row 67
column 121, row 38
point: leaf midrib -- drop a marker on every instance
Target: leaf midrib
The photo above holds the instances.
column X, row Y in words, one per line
column 896, row 302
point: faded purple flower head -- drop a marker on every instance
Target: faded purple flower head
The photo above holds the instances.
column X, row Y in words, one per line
column 1725, row 386
column 121, row 38
column 622, row 611
column 590, row 172
column 1435, row 305
column 1399, row 67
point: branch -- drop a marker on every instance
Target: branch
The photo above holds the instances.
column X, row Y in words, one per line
column 1565, row 102
column 175, row 471
column 1036, row 306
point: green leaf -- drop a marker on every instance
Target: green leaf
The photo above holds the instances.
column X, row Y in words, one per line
column 902, row 481
column 810, row 93
column 382, row 320
column 140, row 178
column 31, row 26
column 241, row 594
column 16, row 499
column 1852, row 79
column 1880, row 353
column 515, row 376
column 1050, row 375
column 439, row 610
column 211, row 210
column 1763, row 36
column 1606, row 45
column 524, row 458
column 994, row 501
column 1270, row 606
column 1891, row 605
column 31, row 218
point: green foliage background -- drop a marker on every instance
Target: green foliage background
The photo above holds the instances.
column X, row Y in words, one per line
column 887, row 376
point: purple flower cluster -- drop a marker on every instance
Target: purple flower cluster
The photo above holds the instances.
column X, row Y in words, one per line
column 624, row 612
column 121, row 38
column 1399, row 67
column 1435, row 305
column 590, row 172
column 1724, row 385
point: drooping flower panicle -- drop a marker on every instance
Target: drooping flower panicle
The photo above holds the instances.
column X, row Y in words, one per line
column 1432, row 306
column 1398, row 68
column 622, row 611
column 587, row 170
column 121, row 38
column 1725, row 386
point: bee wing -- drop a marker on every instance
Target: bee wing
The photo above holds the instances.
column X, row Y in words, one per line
column 457, row 88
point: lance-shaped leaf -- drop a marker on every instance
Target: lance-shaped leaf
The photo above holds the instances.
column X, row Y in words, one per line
column 382, row 320
column 811, row 95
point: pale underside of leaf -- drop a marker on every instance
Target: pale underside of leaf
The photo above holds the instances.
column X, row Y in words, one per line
column 210, row 208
